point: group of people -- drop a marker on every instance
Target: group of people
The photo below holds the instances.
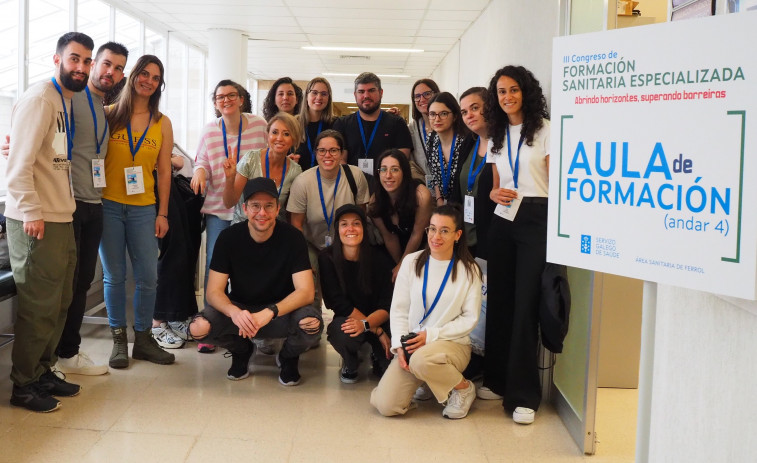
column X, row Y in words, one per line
column 385, row 223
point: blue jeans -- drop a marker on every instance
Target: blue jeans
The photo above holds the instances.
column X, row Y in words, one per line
column 129, row 228
column 213, row 227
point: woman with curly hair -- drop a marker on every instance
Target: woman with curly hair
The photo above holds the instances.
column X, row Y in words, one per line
column 284, row 96
column 516, row 113
column 315, row 116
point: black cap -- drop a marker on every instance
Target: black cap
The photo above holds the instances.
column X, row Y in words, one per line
column 258, row 184
column 350, row 209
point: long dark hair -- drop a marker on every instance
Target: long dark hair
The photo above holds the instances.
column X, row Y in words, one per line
column 120, row 116
column 427, row 82
column 269, row 103
column 460, row 250
column 365, row 260
column 406, row 203
column 447, row 99
column 534, row 106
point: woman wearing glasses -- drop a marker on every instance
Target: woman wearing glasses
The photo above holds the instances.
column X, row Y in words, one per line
column 284, row 96
column 282, row 132
column 228, row 137
column 516, row 112
column 319, row 192
column 436, row 301
column 315, row 116
column 420, row 127
column 447, row 146
column 400, row 208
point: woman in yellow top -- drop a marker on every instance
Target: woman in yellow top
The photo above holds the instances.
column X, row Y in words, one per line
column 141, row 139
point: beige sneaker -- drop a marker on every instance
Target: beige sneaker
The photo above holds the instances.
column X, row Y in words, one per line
column 80, row 364
column 523, row 415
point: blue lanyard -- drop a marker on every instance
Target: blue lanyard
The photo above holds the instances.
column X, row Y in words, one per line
column 514, row 167
column 141, row 139
column 283, row 172
column 98, row 143
column 310, row 147
column 446, row 173
column 472, row 175
column 329, row 218
column 70, row 128
column 239, row 138
column 373, row 134
column 441, row 288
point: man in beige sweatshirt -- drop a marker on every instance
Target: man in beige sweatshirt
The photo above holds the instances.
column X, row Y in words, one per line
column 39, row 209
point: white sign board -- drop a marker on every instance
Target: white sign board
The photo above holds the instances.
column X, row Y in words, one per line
column 653, row 170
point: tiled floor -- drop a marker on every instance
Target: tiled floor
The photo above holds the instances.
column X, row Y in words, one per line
column 190, row 412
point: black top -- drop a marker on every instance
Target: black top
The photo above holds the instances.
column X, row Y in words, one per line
column 392, row 133
column 305, row 155
column 260, row 273
column 342, row 300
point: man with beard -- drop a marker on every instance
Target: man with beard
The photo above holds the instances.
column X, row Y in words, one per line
column 371, row 131
column 39, row 208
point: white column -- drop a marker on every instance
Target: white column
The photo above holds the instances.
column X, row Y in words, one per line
column 227, row 57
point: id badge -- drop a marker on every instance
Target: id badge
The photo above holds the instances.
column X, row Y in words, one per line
column 327, row 241
column 366, row 165
column 98, row 173
column 508, row 212
column 429, row 180
column 135, row 181
column 468, row 209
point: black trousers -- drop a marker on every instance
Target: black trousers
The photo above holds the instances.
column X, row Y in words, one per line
column 224, row 333
column 348, row 347
column 517, row 254
column 88, row 229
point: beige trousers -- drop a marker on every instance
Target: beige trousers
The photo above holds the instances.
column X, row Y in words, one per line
column 439, row 364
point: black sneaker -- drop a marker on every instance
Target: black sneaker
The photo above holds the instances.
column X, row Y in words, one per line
column 347, row 376
column 33, row 397
column 240, row 363
column 57, row 386
column 290, row 373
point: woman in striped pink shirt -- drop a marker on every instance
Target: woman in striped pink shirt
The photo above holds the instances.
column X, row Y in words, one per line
column 221, row 144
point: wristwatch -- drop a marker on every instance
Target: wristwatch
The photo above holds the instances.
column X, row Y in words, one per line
column 366, row 326
column 275, row 309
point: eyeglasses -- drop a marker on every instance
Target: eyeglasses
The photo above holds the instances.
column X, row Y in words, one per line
column 441, row 115
column 315, row 93
column 394, row 170
column 256, row 207
column 424, row 95
column 445, row 232
column 331, row 151
column 229, row 96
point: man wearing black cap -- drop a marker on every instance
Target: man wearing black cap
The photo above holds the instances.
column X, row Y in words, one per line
column 258, row 256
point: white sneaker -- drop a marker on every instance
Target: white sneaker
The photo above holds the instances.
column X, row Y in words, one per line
column 166, row 338
column 180, row 329
column 80, row 364
column 484, row 393
column 459, row 402
column 423, row 393
column 523, row 415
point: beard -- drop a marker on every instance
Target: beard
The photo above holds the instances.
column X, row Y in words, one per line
column 98, row 84
column 69, row 82
column 370, row 108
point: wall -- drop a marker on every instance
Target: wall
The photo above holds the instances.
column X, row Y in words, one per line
column 507, row 32
column 704, row 378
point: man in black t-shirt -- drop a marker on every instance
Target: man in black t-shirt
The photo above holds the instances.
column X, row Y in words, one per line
column 363, row 144
column 272, row 289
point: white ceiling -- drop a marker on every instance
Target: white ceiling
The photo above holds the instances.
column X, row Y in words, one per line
column 277, row 30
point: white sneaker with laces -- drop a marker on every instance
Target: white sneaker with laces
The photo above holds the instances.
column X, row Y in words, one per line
column 523, row 415
column 166, row 338
column 459, row 402
column 423, row 393
column 80, row 364
column 484, row 393
column 180, row 329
